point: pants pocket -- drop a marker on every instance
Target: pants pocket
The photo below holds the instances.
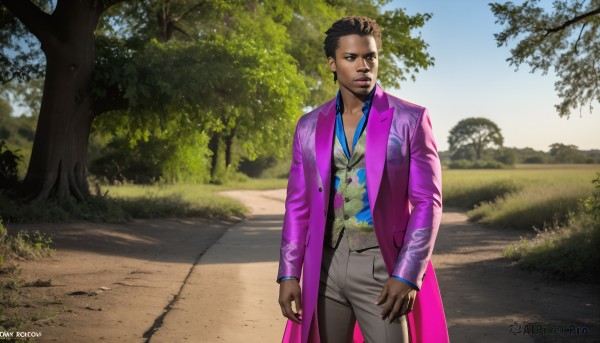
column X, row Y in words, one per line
column 379, row 271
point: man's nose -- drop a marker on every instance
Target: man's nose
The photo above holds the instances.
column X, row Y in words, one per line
column 363, row 65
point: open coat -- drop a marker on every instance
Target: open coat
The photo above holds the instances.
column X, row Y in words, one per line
column 403, row 169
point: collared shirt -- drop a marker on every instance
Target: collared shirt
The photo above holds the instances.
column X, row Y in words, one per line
column 349, row 207
column 362, row 124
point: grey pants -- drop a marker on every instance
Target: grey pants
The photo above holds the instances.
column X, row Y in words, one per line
column 350, row 284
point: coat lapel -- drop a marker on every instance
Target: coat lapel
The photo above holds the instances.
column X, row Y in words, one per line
column 378, row 128
column 324, row 146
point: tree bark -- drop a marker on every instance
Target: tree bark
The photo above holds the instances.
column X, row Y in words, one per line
column 57, row 168
column 213, row 145
column 228, row 147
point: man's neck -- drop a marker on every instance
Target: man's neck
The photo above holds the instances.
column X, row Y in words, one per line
column 352, row 103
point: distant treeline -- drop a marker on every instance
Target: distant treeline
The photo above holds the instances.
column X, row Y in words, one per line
column 558, row 153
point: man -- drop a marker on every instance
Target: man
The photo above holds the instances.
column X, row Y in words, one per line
column 359, row 162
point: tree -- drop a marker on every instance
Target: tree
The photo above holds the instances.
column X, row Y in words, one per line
column 562, row 153
column 477, row 134
column 565, row 40
column 58, row 161
column 404, row 52
column 5, row 110
column 120, row 69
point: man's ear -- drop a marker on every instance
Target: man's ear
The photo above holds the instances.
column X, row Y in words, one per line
column 331, row 64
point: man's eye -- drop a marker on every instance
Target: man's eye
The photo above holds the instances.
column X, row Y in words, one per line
column 349, row 58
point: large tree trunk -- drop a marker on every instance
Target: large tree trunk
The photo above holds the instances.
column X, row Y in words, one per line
column 57, row 168
column 228, row 148
column 213, row 145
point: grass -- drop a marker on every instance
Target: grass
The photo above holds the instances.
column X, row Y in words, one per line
column 186, row 200
column 522, row 198
column 14, row 301
column 129, row 201
column 558, row 201
column 566, row 252
column 24, row 245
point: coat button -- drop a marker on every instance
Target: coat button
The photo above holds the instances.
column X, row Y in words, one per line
column 346, row 217
column 349, row 169
column 320, row 189
column 347, row 199
column 348, row 180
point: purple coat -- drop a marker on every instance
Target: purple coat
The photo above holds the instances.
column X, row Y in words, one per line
column 403, row 168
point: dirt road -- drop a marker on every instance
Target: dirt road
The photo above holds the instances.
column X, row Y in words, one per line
column 196, row 281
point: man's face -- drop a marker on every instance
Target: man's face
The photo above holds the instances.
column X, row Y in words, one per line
column 356, row 62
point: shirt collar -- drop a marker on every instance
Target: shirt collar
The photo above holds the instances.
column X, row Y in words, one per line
column 366, row 106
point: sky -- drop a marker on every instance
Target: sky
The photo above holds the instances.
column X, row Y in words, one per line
column 471, row 78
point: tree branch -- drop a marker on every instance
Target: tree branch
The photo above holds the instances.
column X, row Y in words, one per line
column 579, row 38
column 189, row 11
column 107, row 105
column 174, row 27
column 34, row 19
column 572, row 21
column 114, row 100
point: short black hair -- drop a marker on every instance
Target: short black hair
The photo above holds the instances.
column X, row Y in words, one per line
column 353, row 25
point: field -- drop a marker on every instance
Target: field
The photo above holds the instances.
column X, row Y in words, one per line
column 559, row 202
column 521, row 198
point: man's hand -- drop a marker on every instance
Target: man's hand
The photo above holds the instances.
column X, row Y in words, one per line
column 399, row 299
column 290, row 290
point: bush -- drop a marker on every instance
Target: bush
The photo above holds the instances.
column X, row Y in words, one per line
column 157, row 159
column 478, row 164
column 30, row 246
column 569, row 252
column 535, row 159
column 9, row 164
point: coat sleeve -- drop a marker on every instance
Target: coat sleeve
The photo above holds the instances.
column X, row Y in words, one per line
column 425, row 195
column 295, row 221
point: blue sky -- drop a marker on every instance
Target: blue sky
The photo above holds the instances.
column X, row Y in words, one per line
column 471, row 78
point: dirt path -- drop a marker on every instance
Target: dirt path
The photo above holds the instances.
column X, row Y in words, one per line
column 122, row 277
column 170, row 282
column 484, row 294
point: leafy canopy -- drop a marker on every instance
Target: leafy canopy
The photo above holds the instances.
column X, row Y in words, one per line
column 565, row 40
column 477, row 134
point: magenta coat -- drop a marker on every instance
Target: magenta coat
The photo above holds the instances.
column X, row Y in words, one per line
column 403, row 168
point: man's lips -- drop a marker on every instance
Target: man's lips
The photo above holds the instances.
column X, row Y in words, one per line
column 364, row 81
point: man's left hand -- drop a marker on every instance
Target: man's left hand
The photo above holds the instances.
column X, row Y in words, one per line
column 399, row 299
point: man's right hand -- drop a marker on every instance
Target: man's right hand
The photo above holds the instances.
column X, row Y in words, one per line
column 289, row 290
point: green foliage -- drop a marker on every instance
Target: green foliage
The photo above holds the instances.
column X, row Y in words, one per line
column 121, row 204
column 18, row 134
column 227, row 90
column 570, row 251
column 266, row 167
column 478, row 164
column 26, row 245
column 535, row 206
column 468, row 193
column 486, row 187
column 564, row 40
column 505, row 156
column 562, row 153
column 171, row 75
column 404, row 53
column 9, row 163
column 477, row 134
column 171, row 158
column 5, row 110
